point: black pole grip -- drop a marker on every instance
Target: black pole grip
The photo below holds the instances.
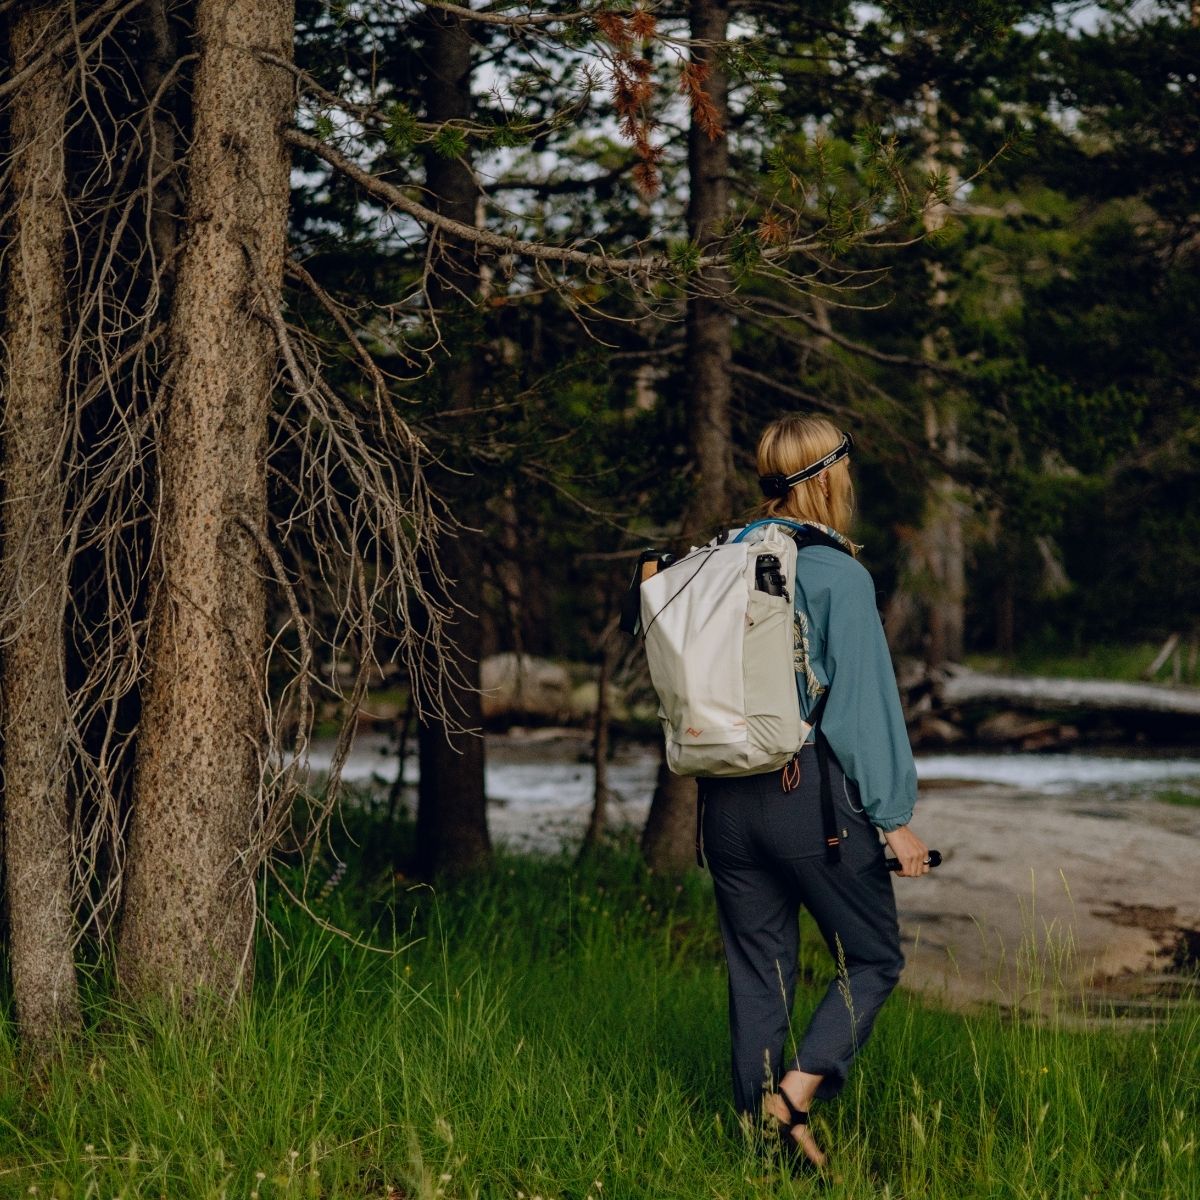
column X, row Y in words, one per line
column 935, row 860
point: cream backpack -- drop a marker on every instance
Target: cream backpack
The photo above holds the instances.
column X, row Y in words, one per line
column 718, row 632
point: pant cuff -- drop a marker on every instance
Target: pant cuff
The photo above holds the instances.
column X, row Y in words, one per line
column 832, row 1082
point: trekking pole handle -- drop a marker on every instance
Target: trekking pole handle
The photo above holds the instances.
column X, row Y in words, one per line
column 934, row 860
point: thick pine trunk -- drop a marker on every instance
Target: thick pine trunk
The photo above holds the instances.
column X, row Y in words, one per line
column 709, row 349
column 942, row 539
column 667, row 841
column 189, row 909
column 37, row 850
column 452, row 833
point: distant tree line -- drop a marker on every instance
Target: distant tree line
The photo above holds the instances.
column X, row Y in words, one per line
column 344, row 335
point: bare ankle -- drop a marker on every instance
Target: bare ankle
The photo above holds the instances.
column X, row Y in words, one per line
column 801, row 1087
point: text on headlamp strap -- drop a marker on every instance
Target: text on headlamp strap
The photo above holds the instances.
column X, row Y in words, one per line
column 779, row 485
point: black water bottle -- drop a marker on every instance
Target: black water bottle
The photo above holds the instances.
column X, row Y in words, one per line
column 768, row 577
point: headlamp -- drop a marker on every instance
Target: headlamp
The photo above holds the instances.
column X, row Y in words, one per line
column 775, row 487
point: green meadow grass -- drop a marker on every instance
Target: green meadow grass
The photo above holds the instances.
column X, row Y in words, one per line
column 1126, row 661
column 559, row 1032
column 1182, row 796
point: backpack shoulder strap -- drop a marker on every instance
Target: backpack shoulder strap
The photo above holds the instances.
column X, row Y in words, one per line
column 805, row 536
column 833, row 852
column 802, row 533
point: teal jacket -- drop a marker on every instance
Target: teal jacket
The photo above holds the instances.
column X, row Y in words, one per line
column 840, row 645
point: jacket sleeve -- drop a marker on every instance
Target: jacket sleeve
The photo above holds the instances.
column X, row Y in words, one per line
column 863, row 721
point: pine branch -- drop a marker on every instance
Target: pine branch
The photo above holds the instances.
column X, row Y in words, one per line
column 786, row 312
column 762, row 379
column 629, row 264
column 512, row 20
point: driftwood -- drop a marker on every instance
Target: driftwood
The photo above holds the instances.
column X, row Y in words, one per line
column 963, row 686
column 1161, row 657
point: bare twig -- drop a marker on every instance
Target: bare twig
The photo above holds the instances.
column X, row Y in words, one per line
column 117, row 9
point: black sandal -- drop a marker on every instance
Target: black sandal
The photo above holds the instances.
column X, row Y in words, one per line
column 791, row 1150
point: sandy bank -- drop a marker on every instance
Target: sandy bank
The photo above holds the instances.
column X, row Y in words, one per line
column 1098, row 888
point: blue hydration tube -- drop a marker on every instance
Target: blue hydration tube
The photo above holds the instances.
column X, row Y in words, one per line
column 770, row 521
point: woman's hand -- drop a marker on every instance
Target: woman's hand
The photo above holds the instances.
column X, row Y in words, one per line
column 909, row 849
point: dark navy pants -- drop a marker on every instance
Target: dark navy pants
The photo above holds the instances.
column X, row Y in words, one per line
column 765, row 848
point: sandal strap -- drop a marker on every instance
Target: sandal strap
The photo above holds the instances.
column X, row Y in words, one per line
column 799, row 1117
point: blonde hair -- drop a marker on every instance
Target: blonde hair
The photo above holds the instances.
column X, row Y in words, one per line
column 790, row 444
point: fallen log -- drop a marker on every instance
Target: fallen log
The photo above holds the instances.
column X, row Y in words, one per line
column 964, row 686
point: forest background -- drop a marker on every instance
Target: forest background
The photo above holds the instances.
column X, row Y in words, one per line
column 347, row 344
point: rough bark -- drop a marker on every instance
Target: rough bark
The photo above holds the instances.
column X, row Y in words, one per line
column 189, row 910
column 709, row 347
column 667, row 840
column 37, row 849
column 452, row 833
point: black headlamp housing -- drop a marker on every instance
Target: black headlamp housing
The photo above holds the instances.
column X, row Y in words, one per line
column 776, row 486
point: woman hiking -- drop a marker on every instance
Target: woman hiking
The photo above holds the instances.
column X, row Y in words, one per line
column 767, row 846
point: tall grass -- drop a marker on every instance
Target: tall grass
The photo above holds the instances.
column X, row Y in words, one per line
column 557, row 1032
column 1127, row 661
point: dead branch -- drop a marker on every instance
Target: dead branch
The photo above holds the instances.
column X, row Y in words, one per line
column 799, row 395
column 117, row 9
column 377, row 116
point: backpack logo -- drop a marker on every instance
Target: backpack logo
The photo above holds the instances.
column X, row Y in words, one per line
column 694, row 732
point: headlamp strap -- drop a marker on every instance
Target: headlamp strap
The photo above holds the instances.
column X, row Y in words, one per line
column 780, row 485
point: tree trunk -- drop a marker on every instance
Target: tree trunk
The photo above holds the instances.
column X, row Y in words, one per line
column 936, row 569
column 667, row 841
column 942, row 539
column 709, row 349
column 964, row 687
column 189, row 909
column 1006, row 610
column 601, row 744
column 37, row 845
column 452, row 833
